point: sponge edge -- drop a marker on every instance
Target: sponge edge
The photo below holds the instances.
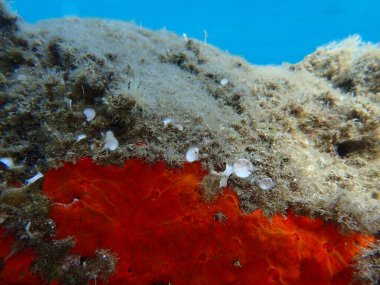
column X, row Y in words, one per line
column 15, row 265
column 155, row 220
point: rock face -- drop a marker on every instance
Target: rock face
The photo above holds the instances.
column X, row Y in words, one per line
column 312, row 127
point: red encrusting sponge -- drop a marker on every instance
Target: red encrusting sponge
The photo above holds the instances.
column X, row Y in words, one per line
column 14, row 264
column 156, row 221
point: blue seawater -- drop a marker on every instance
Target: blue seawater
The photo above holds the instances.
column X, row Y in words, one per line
column 261, row 31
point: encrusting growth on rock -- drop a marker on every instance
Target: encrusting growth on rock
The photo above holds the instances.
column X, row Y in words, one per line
column 154, row 219
column 291, row 142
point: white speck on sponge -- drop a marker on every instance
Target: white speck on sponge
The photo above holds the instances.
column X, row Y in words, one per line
column 242, row 168
column 89, row 113
column 110, row 142
column 192, row 154
column 266, row 183
column 34, row 178
column 7, row 161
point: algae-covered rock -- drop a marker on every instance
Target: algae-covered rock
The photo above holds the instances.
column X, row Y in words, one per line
column 312, row 128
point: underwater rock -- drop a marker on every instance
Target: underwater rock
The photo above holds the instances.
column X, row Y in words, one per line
column 312, row 127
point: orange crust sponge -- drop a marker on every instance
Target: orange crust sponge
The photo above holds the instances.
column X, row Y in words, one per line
column 156, row 221
column 15, row 264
